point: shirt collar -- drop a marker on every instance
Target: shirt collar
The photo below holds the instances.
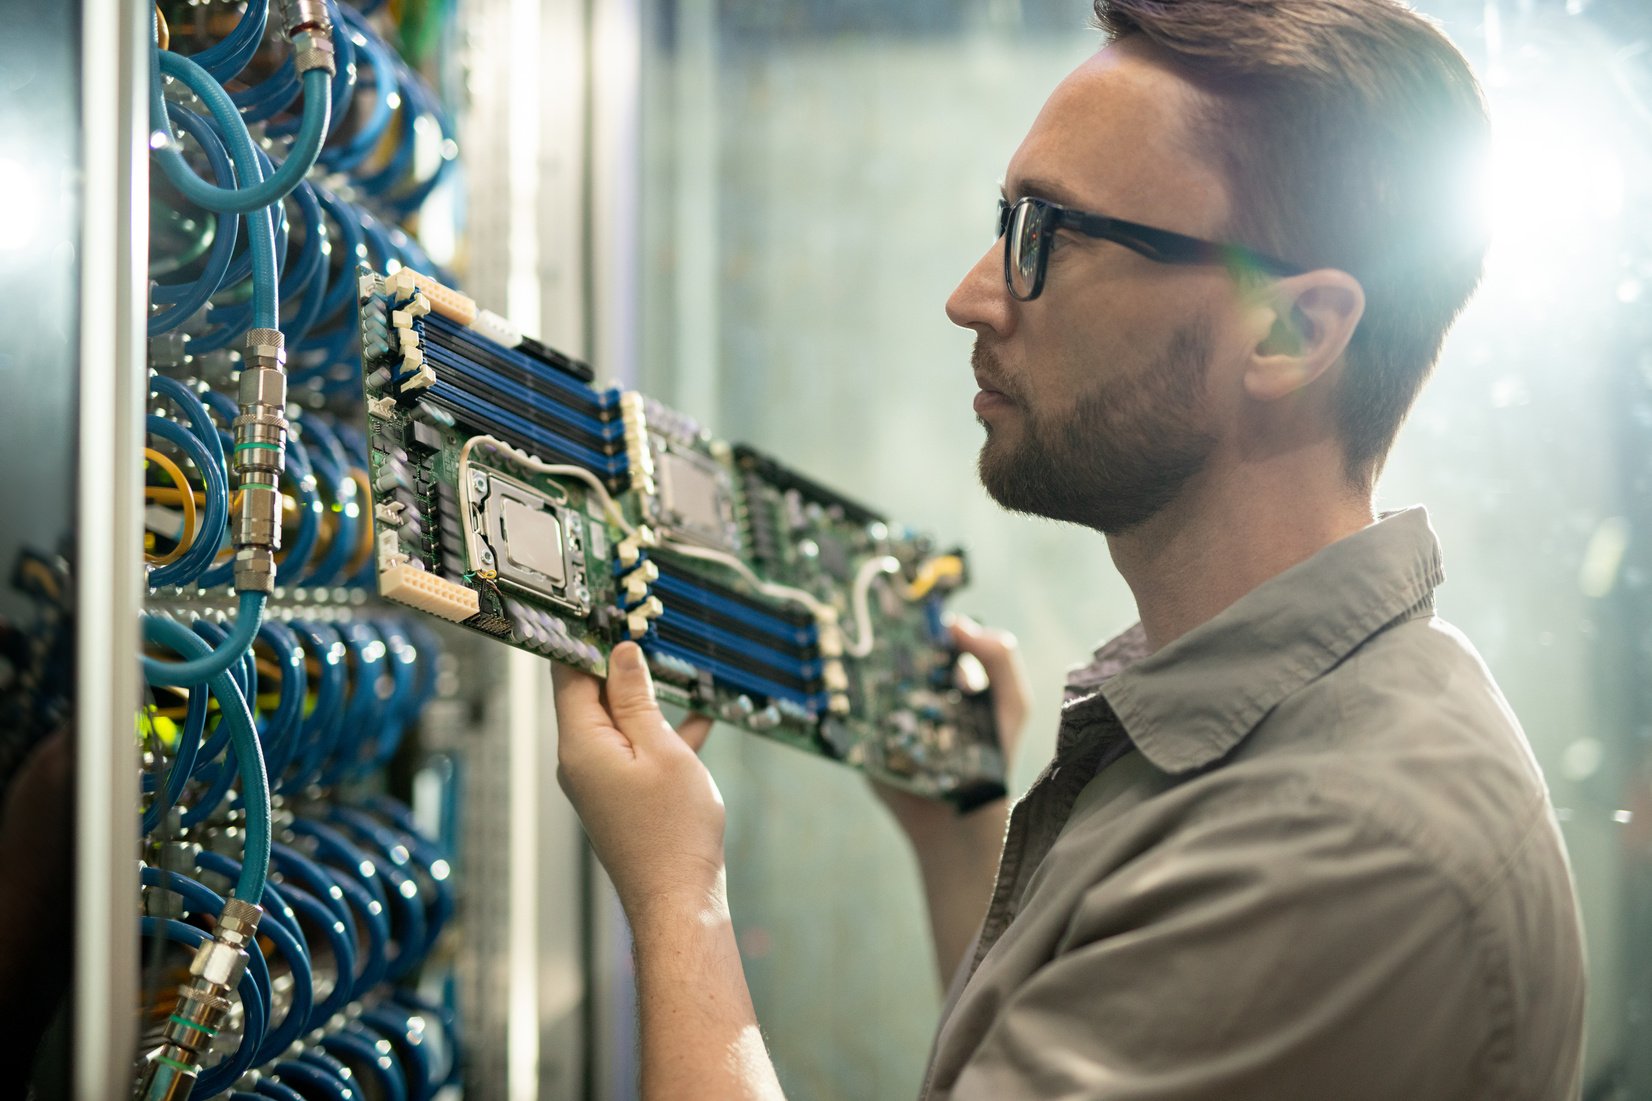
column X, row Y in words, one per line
column 1193, row 701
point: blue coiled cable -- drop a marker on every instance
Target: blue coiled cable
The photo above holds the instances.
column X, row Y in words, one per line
column 357, row 1045
column 320, row 725
column 315, row 894
column 332, row 467
column 214, row 519
column 361, row 716
column 255, row 192
column 245, row 157
column 183, row 761
column 357, row 877
column 275, row 1091
column 249, row 614
column 377, row 56
column 232, row 709
column 279, row 731
column 303, row 1071
column 396, row 1025
column 407, row 896
column 226, row 58
column 186, row 298
column 406, row 899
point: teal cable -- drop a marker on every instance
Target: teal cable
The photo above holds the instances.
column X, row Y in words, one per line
column 301, row 157
column 260, row 223
column 207, row 662
column 249, row 755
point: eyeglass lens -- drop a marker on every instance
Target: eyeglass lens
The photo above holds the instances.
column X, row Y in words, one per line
column 1026, row 233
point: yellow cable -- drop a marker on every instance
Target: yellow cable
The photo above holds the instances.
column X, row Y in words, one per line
column 948, row 567
column 163, row 33
column 171, row 470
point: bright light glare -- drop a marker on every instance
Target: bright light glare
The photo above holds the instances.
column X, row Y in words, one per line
column 21, row 190
column 1555, row 187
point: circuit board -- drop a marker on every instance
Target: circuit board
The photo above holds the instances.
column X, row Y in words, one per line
column 513, row 496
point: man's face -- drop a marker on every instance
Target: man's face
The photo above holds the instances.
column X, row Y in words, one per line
column 1097, row 396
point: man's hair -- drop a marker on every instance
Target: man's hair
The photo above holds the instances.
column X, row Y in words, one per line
column 1351, row 134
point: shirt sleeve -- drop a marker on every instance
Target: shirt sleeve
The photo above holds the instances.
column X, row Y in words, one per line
column 1298, row 955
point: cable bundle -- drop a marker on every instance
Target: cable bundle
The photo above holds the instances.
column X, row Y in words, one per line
column 289, row 143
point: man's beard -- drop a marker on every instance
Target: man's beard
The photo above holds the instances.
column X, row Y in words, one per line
column 1117, row 455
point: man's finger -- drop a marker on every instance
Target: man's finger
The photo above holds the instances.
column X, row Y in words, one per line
column 631, row 698
column 695, row 729
column 578, row 700
column 996, row 651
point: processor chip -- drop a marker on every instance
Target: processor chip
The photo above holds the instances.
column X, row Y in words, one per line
column 695, row 498
column 524, row 540
column 533, row 539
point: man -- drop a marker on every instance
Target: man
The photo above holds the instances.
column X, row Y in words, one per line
column 1292, row 843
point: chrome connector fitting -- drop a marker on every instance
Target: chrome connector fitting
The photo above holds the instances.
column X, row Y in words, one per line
column 166, row 1077
column 266, row 348
column 260, row 457
column 314, row 50
column 255, row 570
column 238, row 923
column 311, row 33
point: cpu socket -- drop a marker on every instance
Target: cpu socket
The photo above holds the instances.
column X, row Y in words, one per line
column 532, row 543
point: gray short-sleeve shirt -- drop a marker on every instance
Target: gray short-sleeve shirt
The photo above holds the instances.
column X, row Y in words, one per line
column 1301, row 852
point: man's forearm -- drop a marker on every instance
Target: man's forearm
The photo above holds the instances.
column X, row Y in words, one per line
column 699, row 1031
column 958, row 866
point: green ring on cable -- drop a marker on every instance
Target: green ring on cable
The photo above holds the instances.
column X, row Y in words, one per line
column 262, row 446
column 196, row 1025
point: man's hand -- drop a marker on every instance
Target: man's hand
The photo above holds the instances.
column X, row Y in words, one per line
column 925, row 821
column 958, row 854
column 655, row 819
column 652, row 811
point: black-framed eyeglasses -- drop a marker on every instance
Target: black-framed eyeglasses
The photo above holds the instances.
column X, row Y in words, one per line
column 1028, row 225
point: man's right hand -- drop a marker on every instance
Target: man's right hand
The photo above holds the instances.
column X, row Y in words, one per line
column 958, row 853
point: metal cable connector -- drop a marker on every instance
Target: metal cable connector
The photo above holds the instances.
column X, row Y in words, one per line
column 260, row 457
column 311, row 34
column 203, row 1004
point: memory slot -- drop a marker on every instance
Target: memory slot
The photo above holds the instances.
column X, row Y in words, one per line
column 803, row 665
column 735, row 677
column 735, row 659
column 740, row 629
column 438, row 330
column 533, row 438
column 538, row 406
column 699, row 594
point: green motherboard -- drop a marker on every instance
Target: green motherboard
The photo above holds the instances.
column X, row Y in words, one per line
column 513, row 496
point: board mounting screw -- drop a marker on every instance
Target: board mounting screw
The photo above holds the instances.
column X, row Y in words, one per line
column 479, row 484
column 485, row 557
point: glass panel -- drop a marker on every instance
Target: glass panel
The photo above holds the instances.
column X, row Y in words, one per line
column 40, row 212
column 779, row 312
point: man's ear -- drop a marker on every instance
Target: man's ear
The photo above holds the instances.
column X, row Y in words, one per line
column 1314, row 315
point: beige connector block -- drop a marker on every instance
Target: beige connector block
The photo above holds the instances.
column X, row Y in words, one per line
column 460, row 308
column 407, row 584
